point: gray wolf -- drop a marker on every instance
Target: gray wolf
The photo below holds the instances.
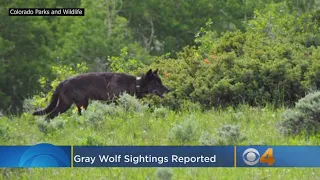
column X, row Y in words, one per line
column 100, row 86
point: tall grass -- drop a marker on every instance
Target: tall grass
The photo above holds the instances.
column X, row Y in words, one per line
column 131, row 123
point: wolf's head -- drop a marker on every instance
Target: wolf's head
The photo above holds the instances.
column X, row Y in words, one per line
column 153, row 84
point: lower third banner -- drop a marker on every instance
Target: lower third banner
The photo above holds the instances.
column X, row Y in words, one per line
column 48, row 155
column 153, row 156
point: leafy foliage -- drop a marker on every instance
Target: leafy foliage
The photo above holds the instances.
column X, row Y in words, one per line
column 168, row 26
column 131, row 104
column 257, row 124
column 266, row 64
column 100, row 34
column 206, row 139
column 161, row 112
column 230, row 135
column 50, row 128
column 61, row 72
column 164, row 174
column 184, row 132
column 4, row 132
column 30, row 46
column 232, row 51
column 212, row 54
column 122, row 63
column 25, row 52
column 304, row 118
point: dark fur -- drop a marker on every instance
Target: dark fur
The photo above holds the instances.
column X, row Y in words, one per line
column 100, row 86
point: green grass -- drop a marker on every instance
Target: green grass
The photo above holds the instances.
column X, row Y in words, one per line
column 114, row 125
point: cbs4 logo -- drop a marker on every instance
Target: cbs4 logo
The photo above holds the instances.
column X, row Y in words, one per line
column 251, row 157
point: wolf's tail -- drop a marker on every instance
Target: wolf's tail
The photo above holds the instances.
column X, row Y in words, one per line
column 53, row 102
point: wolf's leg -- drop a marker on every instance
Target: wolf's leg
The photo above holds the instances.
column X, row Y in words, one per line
column 83, row 104
column 79, row 110
column 61, row 108
column 86, row 104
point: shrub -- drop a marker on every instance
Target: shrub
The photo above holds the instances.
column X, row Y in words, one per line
column 305, row 117
column 261, row 66
column 310, row 105
column 160, row 112
column 184, row 132
column 293, row 122
column 190, row 106
column 93, row 141
column 96, row 112
column 131, row 104
column 123, row 63
column 230, row 135
column 29, row 105
column 94, row 117
column 4, row 132
column 99, row 112
column 51, row 127
column 164, row 174
column 206, row 139
column 174, row 74
column 61, row 72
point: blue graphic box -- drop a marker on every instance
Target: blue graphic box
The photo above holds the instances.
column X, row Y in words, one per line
column 40, row 155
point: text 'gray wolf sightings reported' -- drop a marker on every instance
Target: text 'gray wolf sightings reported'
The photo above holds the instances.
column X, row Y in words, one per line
column 100, row 86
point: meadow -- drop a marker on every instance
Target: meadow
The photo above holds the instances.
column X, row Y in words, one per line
column 234, row 69
column 134, row 123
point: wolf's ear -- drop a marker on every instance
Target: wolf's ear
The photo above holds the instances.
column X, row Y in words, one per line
column 156, row 71
column 149, row 73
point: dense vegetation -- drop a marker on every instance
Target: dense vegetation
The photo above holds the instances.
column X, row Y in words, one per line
column 241, row 73
column 133, row 123
column 226, row 51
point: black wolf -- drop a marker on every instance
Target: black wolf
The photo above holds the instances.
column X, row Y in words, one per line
column 100, row 86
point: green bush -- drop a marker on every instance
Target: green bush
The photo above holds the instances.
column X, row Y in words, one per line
column 61, row 73
column 131, row 104
column 99, row 112
column 230, row 135
column 304, row 118
column 101, row 107
column 292, row 122
column 95, row 116
column 206, row 139
column 93, row 141
column 164, row 174
column 28, row 105
column 275, row 61
column 269, row 63
column 4, row 132
column 53, row 126
column 160, row 113
column 123, row 63
column 310, row 105
column 184, row 132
